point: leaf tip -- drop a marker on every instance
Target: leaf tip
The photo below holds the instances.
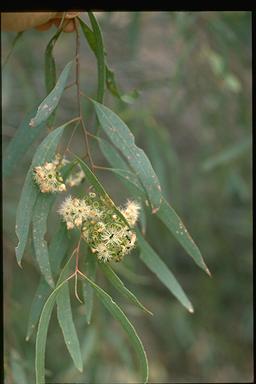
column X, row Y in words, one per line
column 191, row 309
column 208, row 272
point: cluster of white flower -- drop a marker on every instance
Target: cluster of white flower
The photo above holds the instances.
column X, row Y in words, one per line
column 105, row 232
column 47, row 176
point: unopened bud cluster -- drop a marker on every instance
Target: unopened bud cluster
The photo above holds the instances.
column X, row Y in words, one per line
column 106, row 233
column 49, row 179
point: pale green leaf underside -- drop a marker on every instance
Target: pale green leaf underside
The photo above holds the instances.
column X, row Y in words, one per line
column 157, row 266
column 48, row 105
column 30, row 191
column 119, row 315
column 119, row 285
column 122, row 138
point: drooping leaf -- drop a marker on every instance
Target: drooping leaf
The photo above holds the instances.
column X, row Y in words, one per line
column 112, row 86
column 119, row 285
column 50, row 70
column 122, row 138
column 48, row 105
column 109, row 74
column 41, row 294
column 172, row 221
column 90, row 36
column 20, row 143
column 43, row 325
column 39, row 220
column 90, row 270
column 57, row 250
column 92, row 179
column 65, row 318
column 157, row 266
column 49, row 63
column 100, row 57
column 30, row 191
column 119, row 315
column 166, row 213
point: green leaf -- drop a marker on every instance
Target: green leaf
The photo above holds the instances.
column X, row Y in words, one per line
column 166, row 213
column 65, row 318
column 50, row 70
column 128, row 98
column 48, row 105
column 90, row 270
column 99, row 51
column 57, row 250
column 40, row 214
column 90, row 36
column 97, row 48
column 172, row 221
column 119, row 315
column 92, row 179
column 157, row 266
column 42, row 292
column 49, row 63
column 44, row 324
column 122, row 138
column 119, row 285
column 30, row 191
column 20, row 143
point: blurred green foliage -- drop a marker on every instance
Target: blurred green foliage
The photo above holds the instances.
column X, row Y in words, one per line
column 193, row 119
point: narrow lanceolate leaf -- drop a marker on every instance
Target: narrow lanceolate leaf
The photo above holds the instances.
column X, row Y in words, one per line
column 50, row 71
column 42, row 334
column 42, row 292
column 172, row 221
column 90, row 270
column 157, row 266
column 92, row 179
column 30, row 191
column 49, row 63
column 122, row 138
column 119, row 285
column 20, row 143
column 166, row 213
column 65, row 318
column 43, row 325
column 39, row 221
column 100, row 57
column 119, row 315
column 48, row 105
column 96, row 47
column 57, row 250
